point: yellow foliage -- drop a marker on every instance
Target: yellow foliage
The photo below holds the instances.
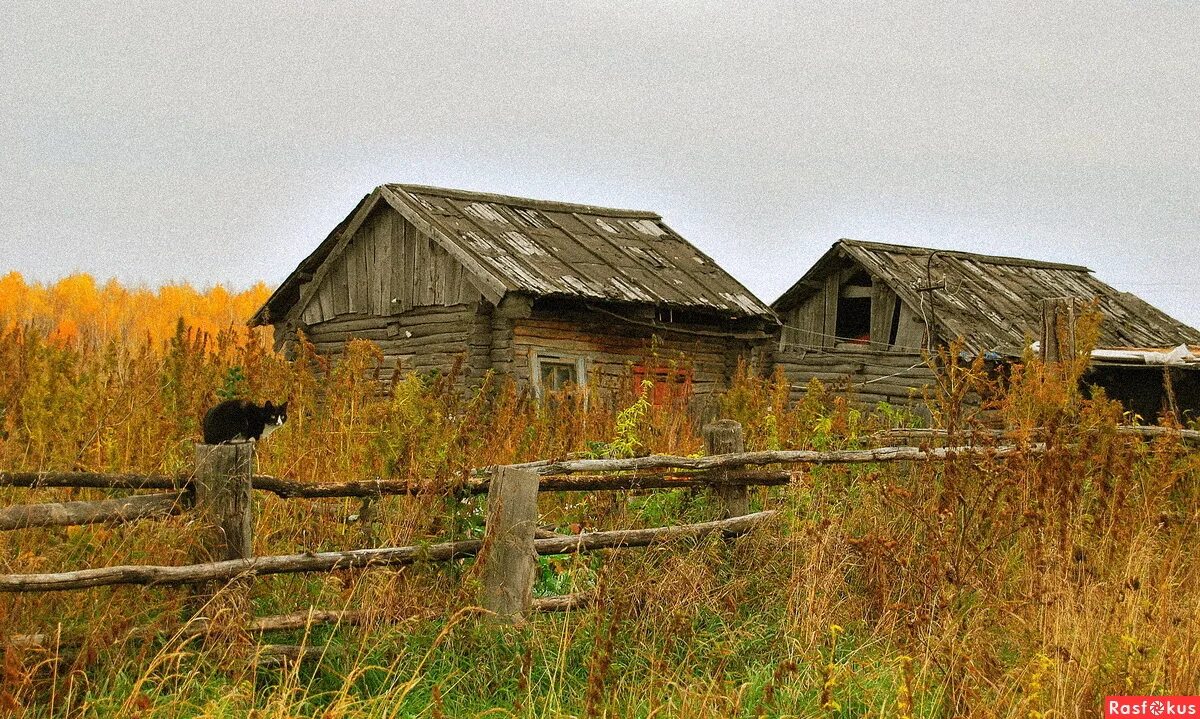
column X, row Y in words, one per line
column 77, row 309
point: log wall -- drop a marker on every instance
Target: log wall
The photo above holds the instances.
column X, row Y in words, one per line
column 610, row 346
column 867, row 377
column 422, row 339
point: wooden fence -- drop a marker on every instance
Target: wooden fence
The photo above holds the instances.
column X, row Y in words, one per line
column 219, row 492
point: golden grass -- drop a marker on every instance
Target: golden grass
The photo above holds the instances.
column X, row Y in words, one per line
column 1030, row 586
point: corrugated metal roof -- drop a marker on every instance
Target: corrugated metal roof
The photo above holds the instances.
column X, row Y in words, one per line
column 554, row 248
column 994, row 303
column 546, row 248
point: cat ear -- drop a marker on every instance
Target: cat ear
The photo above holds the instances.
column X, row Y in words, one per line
column 283, row 407
column 268, row 405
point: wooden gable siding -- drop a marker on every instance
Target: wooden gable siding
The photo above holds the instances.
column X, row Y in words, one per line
column 610, row 347
column 386, row 269
column 812, row 323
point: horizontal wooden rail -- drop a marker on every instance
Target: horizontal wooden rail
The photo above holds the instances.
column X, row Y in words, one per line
column 122, row 509
column 801, row 456
column 1189, row 436
column 91, row 480
column 554, row 472
column 384, row 557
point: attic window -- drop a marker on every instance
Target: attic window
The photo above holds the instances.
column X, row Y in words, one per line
column 854, row 310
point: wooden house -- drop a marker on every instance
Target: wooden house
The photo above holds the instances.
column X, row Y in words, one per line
column 549, row 293
column 865, row 312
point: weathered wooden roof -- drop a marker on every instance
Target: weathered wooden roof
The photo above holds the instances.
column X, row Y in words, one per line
column 994, row 303
column 543, row 248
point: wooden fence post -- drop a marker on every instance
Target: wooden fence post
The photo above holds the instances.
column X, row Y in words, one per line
column 222, row 486
column 1058, row 329
column 510, row 560
column 726, row 437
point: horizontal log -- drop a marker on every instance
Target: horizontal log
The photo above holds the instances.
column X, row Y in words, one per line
column 804, row 456
column 151, row 575
column 122, row 509
column 90, row 480
column 1186, row 435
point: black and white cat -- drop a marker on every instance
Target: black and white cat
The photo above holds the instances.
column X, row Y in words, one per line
column 238, row 420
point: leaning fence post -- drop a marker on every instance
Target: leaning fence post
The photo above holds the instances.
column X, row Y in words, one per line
column 509, row 558
column 725, row 437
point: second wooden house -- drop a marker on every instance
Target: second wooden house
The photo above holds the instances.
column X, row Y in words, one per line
column 866, row 314
column 549, row 293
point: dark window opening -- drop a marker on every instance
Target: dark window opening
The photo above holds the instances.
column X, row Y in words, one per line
column 854, row 320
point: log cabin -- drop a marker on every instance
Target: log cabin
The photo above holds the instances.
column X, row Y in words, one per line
column 551, row 294
column 865, row 313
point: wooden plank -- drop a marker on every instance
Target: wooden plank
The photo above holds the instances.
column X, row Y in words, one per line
column 325, row 299
column 383, row 260
column 362, row 259
column 340, row 289
column 400, row 268
column 353, row 281
column 830, row 301
column 910, row 334
column 883, row 312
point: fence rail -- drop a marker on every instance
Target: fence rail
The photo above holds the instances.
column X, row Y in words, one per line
column 219, row 492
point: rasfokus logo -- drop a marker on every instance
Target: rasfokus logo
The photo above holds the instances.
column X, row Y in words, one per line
column 1151, row 707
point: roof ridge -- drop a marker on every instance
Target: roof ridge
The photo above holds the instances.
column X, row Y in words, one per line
column 527, row 202
column 991, row 259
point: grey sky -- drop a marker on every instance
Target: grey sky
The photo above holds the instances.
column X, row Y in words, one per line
column 221, row 143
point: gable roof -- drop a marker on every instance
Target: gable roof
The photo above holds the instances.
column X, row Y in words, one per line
column 994, row 303
column 543, row 248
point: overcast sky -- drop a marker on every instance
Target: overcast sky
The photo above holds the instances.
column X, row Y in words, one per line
column 161, row 141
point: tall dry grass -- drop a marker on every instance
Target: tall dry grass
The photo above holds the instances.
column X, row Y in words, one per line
column 1027, row 586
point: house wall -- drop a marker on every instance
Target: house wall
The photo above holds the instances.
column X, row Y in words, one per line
column 868, row 377
column 610, row 346
column 422, row 340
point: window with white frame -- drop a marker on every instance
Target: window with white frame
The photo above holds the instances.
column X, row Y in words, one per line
column 553, row 372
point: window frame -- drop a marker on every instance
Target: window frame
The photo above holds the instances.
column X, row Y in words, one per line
column 539, row 357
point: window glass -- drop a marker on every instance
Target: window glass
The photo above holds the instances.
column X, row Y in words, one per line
column 558, row 374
